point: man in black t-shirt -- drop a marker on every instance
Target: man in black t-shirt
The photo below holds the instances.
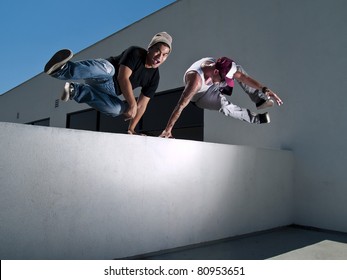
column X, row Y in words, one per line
column 104, row 79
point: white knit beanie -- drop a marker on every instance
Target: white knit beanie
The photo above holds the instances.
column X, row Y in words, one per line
column 161, row 37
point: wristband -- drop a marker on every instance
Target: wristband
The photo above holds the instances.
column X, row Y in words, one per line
column 264, row 90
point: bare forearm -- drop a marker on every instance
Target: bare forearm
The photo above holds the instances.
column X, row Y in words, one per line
column 127, row 91
column 134, row 122
column 193, row 84
column 255, row 84
column 251, row 82
column 174, row 117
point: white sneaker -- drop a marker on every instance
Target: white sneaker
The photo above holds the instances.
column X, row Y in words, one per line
column 266, row 104
column 68, row 92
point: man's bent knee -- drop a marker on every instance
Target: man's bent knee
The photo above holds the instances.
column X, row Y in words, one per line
column 115, row 111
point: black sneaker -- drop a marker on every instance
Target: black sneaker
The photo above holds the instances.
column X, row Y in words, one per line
column 68, row 93
column 264, row 118
column 58, row 60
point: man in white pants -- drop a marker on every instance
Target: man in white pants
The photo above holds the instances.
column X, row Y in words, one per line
column 206, row 83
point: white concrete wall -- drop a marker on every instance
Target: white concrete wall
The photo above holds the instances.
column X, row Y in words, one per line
column 298, row 48
column 295, row 47
column 69, row 194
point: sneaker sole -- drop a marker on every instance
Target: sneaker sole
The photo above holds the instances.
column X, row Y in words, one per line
column 58, row 60
column 66, row 93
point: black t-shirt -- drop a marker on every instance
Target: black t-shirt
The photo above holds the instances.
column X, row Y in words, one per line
column 135, row 59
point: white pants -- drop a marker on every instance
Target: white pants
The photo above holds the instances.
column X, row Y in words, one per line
column 212, row 99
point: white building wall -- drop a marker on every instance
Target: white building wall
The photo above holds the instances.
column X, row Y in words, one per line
column 70, row 194
column 295, row 47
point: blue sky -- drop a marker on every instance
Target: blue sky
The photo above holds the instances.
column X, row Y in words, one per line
column 31, row 31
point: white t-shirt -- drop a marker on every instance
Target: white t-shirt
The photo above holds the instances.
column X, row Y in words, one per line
column 196, row 66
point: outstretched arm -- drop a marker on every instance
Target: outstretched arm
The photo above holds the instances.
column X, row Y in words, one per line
column 255, row 84
column 193, row 84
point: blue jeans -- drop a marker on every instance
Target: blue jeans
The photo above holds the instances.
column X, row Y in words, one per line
column 98, row 89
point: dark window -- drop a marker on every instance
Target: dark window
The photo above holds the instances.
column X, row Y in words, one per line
column 111, row 124
column 189, row 126
column 86, row 120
